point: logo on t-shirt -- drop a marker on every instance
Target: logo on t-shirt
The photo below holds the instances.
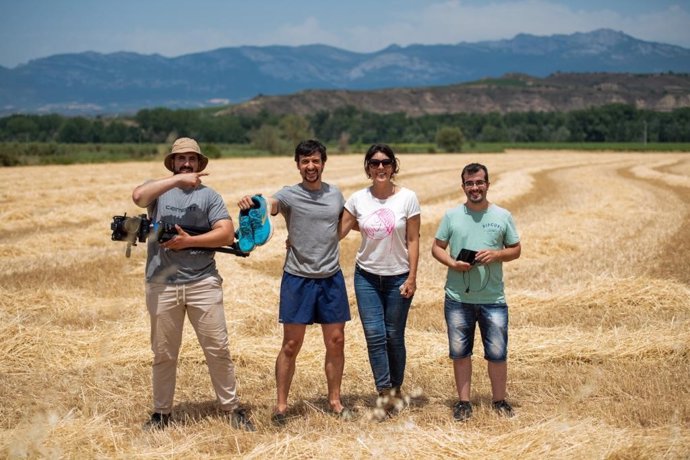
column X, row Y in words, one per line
column 379, row 224
column 190, row 208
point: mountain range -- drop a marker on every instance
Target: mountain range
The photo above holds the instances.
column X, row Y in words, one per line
column 92, row 83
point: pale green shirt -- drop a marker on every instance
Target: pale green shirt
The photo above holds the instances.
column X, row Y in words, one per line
column 492, row 228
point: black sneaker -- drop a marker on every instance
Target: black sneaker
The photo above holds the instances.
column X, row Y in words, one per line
column 279, row 419
column 157, row 421
column 462, row 410
column 240, row 420
column 503, row 408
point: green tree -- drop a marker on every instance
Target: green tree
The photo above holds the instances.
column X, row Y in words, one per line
column 294, row 129
column 449, row 138
column 76, row 130
column 491, row 133
column 268, row 138
column 21, row 128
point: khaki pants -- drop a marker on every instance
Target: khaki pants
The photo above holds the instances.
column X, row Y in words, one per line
column 203, row 303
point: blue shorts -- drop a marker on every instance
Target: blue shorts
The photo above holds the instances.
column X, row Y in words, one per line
column 461, row 319
column 313, row 300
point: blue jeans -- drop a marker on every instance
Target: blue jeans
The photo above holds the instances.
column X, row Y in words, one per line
column 383, row 312
column 462, row 318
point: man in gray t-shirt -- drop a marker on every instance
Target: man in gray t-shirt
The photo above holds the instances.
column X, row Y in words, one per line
column 312, row 219
column 182, row 279
column 312, row 289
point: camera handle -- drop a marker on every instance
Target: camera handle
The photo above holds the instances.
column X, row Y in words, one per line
column 133, row 229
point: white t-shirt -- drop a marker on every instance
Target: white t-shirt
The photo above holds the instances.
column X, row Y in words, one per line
column 382, row 224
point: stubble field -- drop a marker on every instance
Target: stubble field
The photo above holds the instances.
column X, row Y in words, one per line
column 599, row 354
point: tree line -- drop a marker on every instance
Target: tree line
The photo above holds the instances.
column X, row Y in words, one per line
column 274, row 133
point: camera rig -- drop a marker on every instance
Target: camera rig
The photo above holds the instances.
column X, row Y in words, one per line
column 139, row 228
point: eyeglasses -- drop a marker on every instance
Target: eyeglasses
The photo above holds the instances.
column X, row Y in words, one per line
column 377, row 163
column 478, row 183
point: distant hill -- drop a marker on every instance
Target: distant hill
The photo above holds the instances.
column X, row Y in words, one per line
column 561, row 92
column 93, row 83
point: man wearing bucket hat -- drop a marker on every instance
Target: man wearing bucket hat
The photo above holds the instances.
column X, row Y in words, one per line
column 185, row 145
column 181, row 277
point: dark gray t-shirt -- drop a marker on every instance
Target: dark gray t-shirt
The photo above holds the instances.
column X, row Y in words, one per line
column 312, row 223
column 201, row 207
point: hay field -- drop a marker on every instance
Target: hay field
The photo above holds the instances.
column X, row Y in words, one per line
column 599, row 356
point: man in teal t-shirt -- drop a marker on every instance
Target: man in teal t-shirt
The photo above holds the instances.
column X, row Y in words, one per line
column 474, row 287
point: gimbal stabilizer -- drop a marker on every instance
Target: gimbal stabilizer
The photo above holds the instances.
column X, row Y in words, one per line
column 139, row 228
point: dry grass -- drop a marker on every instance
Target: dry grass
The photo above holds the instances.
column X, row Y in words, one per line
column 599, row 301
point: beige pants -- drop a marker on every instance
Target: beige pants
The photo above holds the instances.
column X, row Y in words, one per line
column 203, row 303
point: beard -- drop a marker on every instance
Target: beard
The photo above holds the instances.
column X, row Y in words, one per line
column 311, row 176
column 476, row 197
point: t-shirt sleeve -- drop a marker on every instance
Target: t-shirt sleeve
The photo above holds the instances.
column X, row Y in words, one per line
column 413, row 208
column 351, row 204
column 282, row 196
column 443, row 232
column 217, row 209
column 342, row 199
column 511, row 236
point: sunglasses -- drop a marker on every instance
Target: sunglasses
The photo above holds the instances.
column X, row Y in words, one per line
column 377, row 163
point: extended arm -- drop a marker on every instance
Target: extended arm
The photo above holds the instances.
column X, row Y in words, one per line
column 271, row 203
column 148, row 192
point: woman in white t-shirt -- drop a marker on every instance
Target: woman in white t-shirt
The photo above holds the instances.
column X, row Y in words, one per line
column 388, row 218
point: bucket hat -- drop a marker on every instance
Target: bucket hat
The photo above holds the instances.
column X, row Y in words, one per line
column 185, row 145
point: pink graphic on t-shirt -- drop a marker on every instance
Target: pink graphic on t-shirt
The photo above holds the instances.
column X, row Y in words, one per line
column 379, row 224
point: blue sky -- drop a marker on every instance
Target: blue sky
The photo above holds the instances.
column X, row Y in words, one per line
column 37, row 28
